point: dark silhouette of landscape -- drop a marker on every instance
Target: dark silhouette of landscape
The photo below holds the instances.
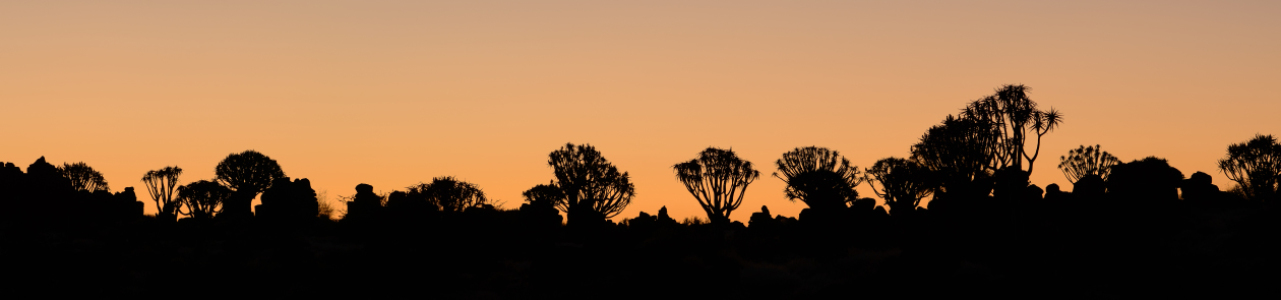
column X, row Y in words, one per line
column 960, row 218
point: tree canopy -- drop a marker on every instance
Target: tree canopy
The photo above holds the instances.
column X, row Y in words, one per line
column 202, row 199
column 1255, row 166
column 247, row 174
column 593, row 187
column 161, row 185
column 718, row 179
column 449, row 194
column 1012, row 117
column 1085, row 161
column 820, row 177
column 83, row 177
column 904, row 183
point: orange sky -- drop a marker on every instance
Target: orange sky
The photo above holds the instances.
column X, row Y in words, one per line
column 391, row 93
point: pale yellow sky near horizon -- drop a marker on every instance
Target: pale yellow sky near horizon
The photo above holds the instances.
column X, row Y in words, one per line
column 392, row 93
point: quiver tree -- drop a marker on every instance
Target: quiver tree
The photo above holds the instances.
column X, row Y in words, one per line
column 1012, row 117
column 201, row 199
column 1085, row 161
column 1255, row 166
column 546, row 195
column 541, row 204
column 718, row 179
column 246, row 174
column 594, row 189
column 903, row 182
column 161, row 185
column 83, row 177
column 821, row 178
column 449, row 194
column 959, row 154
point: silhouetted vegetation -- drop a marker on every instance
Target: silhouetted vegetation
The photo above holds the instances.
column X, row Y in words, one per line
column 821, row 178
column 162, row 185
column 1255, row 166
column 1124, row 231
column 718, row 179
column 246, row 174
column 1087, row 161
column 903, row 183
column 594, row 189
column 1011, row 117
column 448, row 194
column 202, row 199
column 83, row 177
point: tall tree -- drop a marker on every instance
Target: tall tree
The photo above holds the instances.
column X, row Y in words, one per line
column 1255, row 166
column 83, row 177
column 1084, row 161
column 247, row 174
column 449, row 194
column 821, row 178
column 904, row 183
column 1013, row 117
column 161, row 185
column 718, row 179
column 594, row 188
column 202, row 199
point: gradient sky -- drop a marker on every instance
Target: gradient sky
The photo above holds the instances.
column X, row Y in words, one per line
column 392, row 93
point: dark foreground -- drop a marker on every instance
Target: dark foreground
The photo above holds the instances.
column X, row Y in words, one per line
column 1045, row 250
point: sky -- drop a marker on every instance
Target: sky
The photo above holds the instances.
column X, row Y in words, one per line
column 393, row 93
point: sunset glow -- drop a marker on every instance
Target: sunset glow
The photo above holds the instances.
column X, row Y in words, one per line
column 393, row 93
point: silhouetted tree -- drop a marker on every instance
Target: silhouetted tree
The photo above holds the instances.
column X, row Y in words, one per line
column 202, row 199
column 904, row 183
column 821, row 178
column 959, row 154
column 449, row 194
column 1255, row 166
column 594, row 189
column 83, row 177
column 546, row 195
column 247, row 174
column 1013, row 117
column 541, row 204
column 1084, row 161
column 718, row 179
column 162, row 185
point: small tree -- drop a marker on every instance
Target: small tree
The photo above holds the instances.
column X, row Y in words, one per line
column 161, row 185
column 247, row 174
column 1085, row 161
column 1255, row 166
column 718, row 179
column 546, row 195
column 202, row 199
column 903, row 183
column 821, row 178
column 594, row 189
column 83, row 177
column 449, row 194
